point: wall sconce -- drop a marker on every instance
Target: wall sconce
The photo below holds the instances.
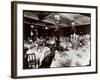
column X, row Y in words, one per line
column 32, row 26
column 73, row 23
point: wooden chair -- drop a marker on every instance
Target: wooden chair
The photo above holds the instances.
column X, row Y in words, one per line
column 31, row 58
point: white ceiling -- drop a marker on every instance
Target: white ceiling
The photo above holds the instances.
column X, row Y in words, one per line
column 65, row 18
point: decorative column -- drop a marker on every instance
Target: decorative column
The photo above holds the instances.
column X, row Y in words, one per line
column 32, row 26
column 74, row 36
column 57, row 31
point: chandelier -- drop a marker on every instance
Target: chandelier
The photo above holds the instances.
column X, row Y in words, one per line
column 57, row 19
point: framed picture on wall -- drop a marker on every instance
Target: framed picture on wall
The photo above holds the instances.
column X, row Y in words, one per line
column 53, row 39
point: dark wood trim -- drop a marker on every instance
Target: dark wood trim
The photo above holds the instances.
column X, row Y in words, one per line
column 13, row 40
column 52, row 75
column 97, row 39
column 53, row 4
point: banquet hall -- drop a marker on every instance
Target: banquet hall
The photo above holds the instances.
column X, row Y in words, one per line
column 56, row 39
